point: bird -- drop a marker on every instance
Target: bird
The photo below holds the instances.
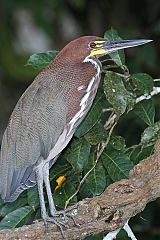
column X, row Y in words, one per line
column 47, row 115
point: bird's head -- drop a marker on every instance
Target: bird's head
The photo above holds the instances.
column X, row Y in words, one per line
column 95, row 47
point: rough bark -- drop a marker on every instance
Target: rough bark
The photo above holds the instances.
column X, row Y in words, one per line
column 121, row 201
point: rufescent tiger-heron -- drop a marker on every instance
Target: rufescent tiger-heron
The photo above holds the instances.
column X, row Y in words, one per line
column 47, row 115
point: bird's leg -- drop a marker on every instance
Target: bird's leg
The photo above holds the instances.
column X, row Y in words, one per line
column 52, row 207
column 39, row 177
column 53, row 211
column 45, row 217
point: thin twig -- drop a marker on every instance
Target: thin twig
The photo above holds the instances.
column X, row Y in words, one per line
column 110, row 121
column 125, row 76
column 104, row 145
column 112, row 235
column 98, row 156
column 156, row 90
column 156, row 80
column 129, row 231
column 107, row 110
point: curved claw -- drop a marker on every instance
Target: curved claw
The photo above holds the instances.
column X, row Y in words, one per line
column 65, row 215
column 58, row 223
column 73, row 219
column 54, row 220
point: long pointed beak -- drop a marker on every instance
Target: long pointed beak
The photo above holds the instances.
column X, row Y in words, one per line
column 112, row 46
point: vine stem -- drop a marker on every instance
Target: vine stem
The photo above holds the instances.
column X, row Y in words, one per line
column 99, row 153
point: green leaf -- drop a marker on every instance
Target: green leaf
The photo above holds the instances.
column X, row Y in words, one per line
column 62, row 194
column 117, row 94
column 117, row 142
column 133, row 153
column 118, row 56
column 10, row 207
column 1, row 203
column 74, row 177
column 138, row 153
column 96, row 135
column 143, row 82
column 84, row 192
column 77, row 154
column 96, row 180
column 59, row 168
column 41, row 60
column 151, row 134
column 15, row 218
column 92, row 117
column 116, row 163
column 33, row 197
column 146, row 111
column 145, row 152
column 38, row 216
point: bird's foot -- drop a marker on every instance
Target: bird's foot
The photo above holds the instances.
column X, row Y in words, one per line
column 54, row 218
column 58, row 223
column 66, row 215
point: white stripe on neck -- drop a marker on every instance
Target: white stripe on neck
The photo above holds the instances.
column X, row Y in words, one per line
column 84, row 99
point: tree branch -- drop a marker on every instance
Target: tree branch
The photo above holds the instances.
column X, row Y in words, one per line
column 155, row 91
column 110, row 211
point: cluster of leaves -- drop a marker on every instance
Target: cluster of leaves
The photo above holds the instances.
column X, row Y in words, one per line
column 116, row 97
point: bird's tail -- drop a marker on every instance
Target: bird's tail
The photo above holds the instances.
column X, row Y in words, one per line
column 13, row 181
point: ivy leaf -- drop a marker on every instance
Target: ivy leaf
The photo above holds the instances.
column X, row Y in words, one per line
column 96, row 180
column 116, row 163
column 117, row 142
column 92, row 117
column 41, row 60
column 118, row 56
column 16, row 218
column 77, row 154
column 117, row 94
column 59, row 168
column 84, row 192
column 143, row 82
column 62, row 194
column 138, row 153
column 133, row 153
column 146, row 111
column 151, row 134
column 96, row 135
column 10, row 207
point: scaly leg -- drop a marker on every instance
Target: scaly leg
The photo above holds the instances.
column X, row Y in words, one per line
column 39, row 177
column 52, row 207
column 45, row 217
column 53, row 211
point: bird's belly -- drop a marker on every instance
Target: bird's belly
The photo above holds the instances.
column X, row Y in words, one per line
column 61, row 143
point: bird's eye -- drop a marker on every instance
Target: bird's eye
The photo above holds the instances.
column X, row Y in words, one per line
column 92, row 45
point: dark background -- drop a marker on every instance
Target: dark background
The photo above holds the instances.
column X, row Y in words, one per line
column 27, row 27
